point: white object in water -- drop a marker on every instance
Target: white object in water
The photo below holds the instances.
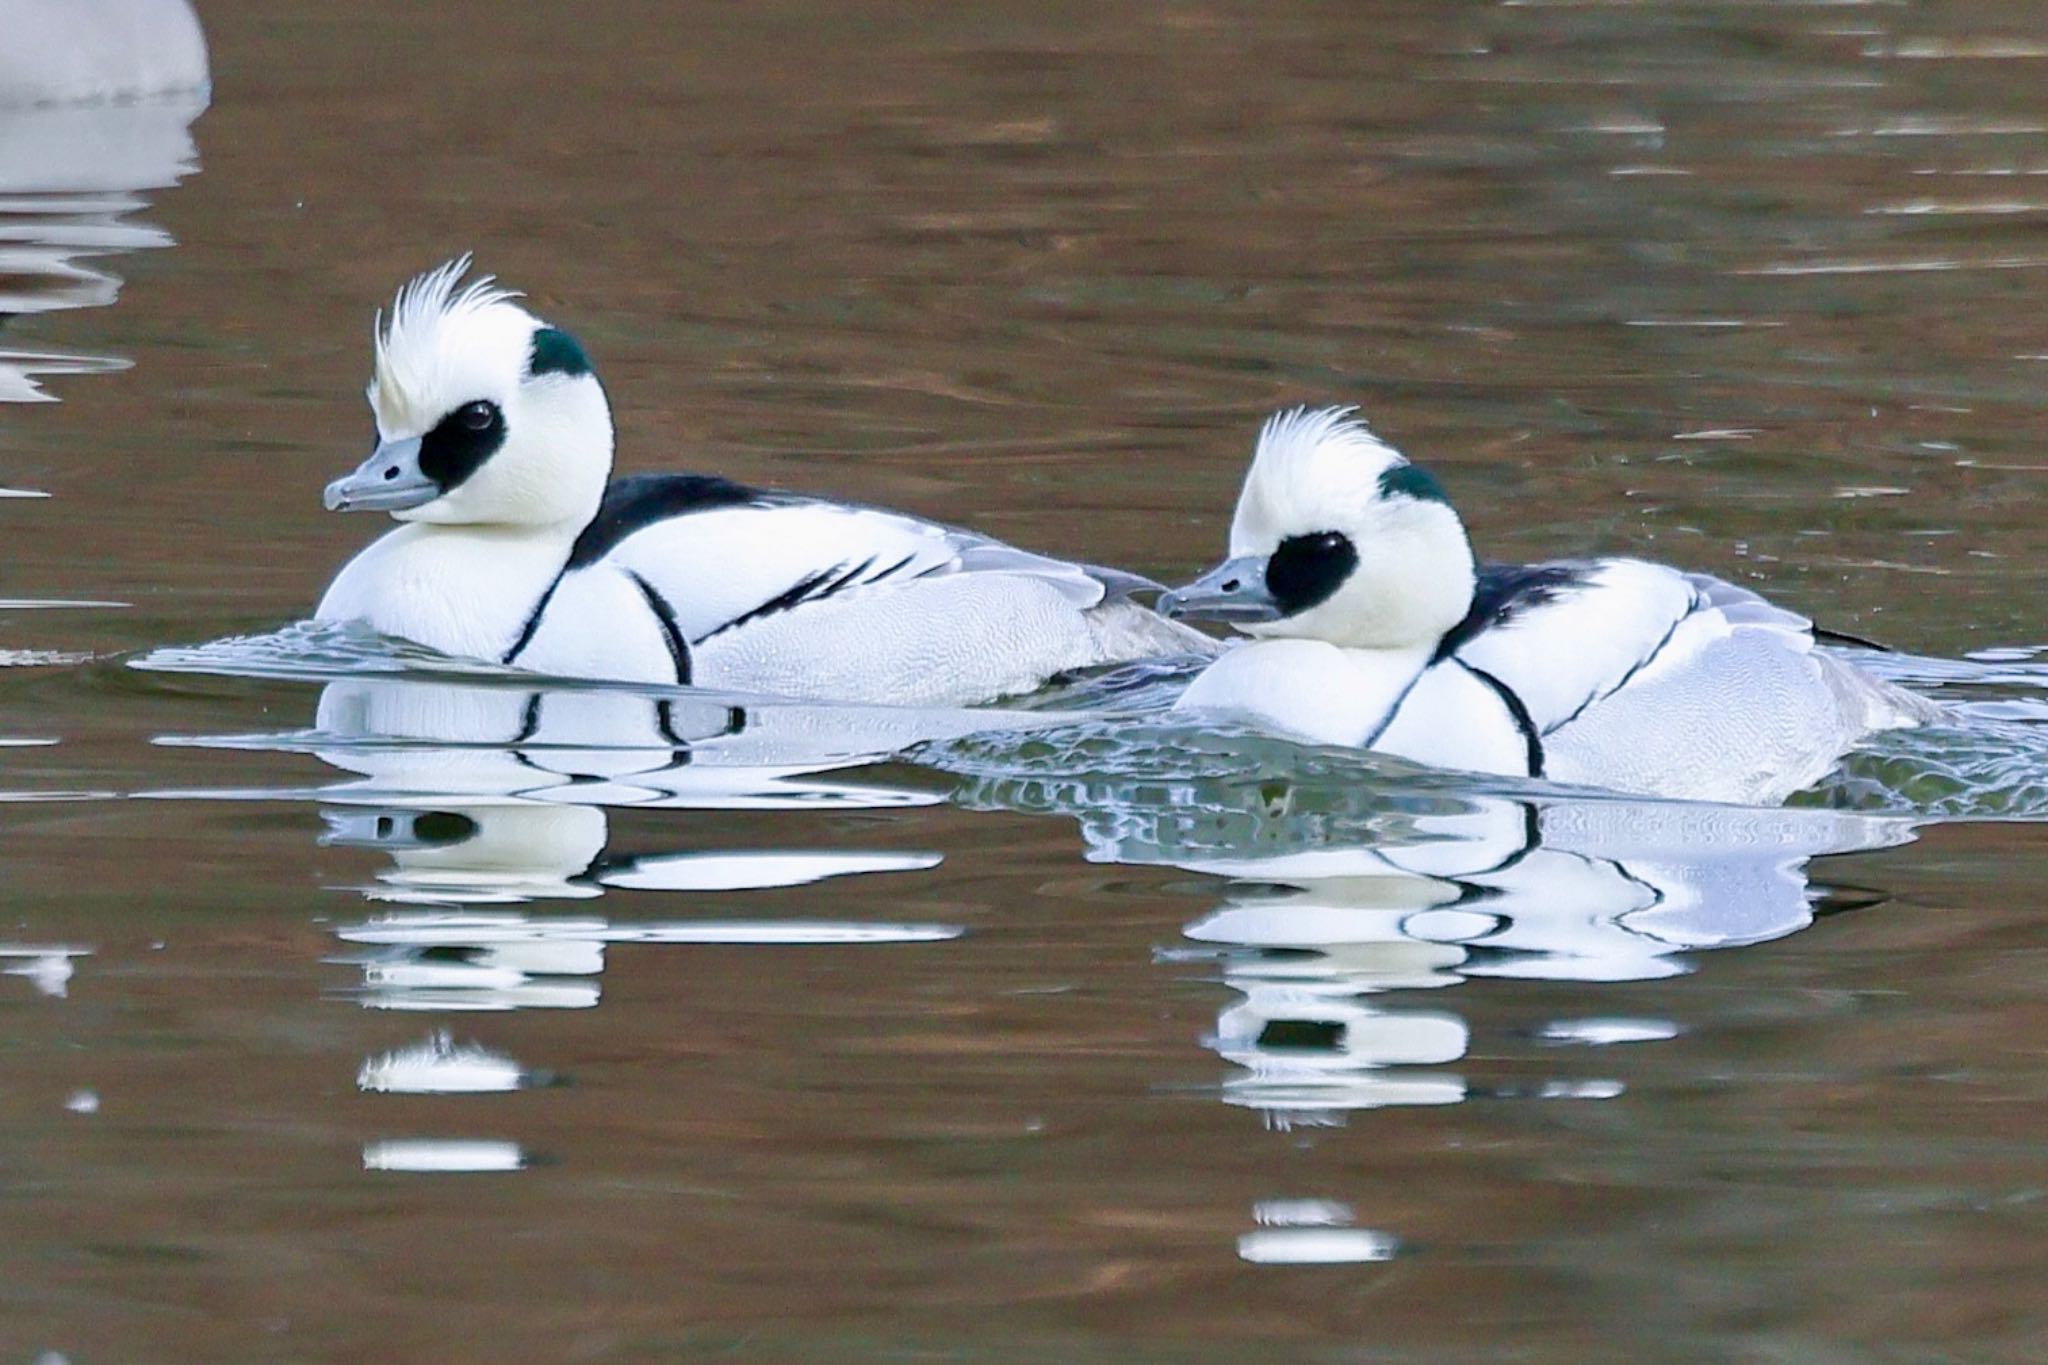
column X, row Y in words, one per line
column 495, row 448
column 95, row 51
column 441, row 1156
column 1373, row 628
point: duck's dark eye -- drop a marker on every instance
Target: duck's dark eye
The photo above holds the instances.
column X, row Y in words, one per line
column 1305, row 570
column 460, row 442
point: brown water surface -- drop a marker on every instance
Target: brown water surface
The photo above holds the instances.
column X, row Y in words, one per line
column 1053, row 1063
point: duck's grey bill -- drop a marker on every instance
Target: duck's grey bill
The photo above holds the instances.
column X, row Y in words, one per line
column 1234, row 590
column 389, row 481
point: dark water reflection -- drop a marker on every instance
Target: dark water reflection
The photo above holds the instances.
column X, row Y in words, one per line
column 450, row 1016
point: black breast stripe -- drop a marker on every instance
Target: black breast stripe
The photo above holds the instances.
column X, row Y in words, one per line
column 1394, row 710
column 633, row 504
column 1517, row 712
column 533, row 618
column 678, row 648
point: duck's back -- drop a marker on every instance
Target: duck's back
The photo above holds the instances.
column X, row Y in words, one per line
column 766, row 592
column 1643, row 678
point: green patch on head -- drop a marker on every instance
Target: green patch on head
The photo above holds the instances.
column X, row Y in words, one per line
column 1410, row 481
column 554, row 351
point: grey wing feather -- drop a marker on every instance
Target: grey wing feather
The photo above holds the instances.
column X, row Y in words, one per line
column 1744, row 608
column 1084, row 585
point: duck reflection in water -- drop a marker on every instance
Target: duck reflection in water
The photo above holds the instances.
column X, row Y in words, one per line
column 487, row 796
column 1349, row 881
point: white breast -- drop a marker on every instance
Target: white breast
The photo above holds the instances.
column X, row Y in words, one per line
column 1451, row 718
column 599, row 623
column 1308, row 689
column 463, row 590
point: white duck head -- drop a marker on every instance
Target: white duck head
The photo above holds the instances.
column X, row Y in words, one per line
column 1337, row 538
column 486, row 415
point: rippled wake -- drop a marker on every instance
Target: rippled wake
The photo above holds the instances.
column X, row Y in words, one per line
column 1107, row 740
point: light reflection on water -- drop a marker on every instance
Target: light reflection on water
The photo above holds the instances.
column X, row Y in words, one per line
column 47, row 967
column 508, row 961
column 1598, row 892
column 496, row 795
column 96, row 108
column 1346, row 883
column 1343, row 888
column 71, row 178
column 440, row 1066
column 1353, row 904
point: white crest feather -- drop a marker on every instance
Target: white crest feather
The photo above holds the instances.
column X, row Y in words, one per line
column 411, row 345
column 1294, row 434
column 1312, row 467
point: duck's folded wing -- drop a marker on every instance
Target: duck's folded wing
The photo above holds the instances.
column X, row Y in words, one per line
column 724, row 562
column 1564, row 635
column 1741, row 607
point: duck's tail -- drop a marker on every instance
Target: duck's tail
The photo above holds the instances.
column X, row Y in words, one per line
column 1125, row 630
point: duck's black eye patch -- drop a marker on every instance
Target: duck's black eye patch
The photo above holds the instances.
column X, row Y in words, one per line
column 1305, row 570
column 443, row 827
column 556, row 352
column 1409, row 481
column 460, row 442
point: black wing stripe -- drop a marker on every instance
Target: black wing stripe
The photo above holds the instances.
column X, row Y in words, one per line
column 846, row 578
column 813, row 588
column 671, row 633
column 800, row 591
column 898, row 567
column 1691, row 607
column 1843, row 637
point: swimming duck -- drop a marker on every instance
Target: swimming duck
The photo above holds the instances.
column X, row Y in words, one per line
column 494, row 447
column 1373, row 627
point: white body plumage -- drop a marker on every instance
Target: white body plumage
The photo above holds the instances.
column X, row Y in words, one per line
column 1379, row 631
column 495, row 444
